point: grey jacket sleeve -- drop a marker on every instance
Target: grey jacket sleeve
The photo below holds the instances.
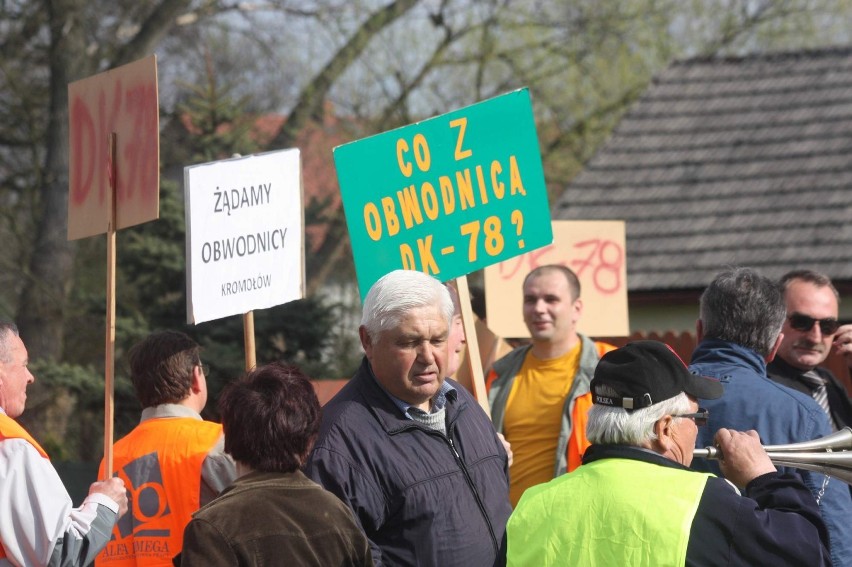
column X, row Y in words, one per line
column 72, row 550
column 218, row 472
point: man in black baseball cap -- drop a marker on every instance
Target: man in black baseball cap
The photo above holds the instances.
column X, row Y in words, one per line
column 644, row 373
column 634, row 501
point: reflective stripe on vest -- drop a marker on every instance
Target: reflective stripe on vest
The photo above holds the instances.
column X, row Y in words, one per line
column 160, row 462
column 607, row 512
column 10, row 429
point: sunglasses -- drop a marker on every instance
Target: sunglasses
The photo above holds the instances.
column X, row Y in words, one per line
column 804, row 323
column 700, row 418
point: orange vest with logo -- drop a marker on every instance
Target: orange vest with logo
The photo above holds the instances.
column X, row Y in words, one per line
column 10, row 429
column 160, row 462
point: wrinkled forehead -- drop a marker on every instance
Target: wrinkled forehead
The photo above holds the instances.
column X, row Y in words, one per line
column 417, row 321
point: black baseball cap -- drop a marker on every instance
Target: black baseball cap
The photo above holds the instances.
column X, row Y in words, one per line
column 643, row 373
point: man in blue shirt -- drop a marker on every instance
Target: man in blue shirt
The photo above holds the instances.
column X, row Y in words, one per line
column 739, row 332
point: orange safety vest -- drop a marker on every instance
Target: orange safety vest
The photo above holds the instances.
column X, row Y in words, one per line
column 160, row 462
column 578, row 443
column 10, row 429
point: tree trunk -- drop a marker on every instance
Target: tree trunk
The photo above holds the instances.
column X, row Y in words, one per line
column 41, row 309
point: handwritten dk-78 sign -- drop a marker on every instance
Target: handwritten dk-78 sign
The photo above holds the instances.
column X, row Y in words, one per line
column 448, row 195
column 121, row 101
column 595, row 251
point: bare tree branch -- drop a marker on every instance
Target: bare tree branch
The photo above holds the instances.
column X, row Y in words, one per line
column 311, row 99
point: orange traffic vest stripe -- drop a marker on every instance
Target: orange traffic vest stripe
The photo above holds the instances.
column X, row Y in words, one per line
column 160, row 462
column 10, row 429
column 578, row 443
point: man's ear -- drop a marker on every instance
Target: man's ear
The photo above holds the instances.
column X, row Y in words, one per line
column 195, row 386
column 366, row 341
column 663, row 430
column 775, row 348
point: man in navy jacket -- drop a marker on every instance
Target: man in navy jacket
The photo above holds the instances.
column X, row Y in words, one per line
column 410, row 451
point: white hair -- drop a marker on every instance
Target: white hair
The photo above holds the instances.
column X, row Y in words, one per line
column 7, row 330
column 609, row 425
column 394, row 294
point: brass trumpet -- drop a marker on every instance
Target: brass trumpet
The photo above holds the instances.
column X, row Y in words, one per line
column 829, row 455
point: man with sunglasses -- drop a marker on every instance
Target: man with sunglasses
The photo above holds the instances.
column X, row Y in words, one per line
column 741, row 314
column 173, row 462
column 635, row 501
column 811, row 330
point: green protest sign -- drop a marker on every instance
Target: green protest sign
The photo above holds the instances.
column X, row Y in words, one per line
column 446, row 196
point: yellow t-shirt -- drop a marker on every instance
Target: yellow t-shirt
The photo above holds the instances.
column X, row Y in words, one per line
column 534, row 418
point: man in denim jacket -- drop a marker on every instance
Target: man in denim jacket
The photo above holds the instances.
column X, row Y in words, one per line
column 739, row 332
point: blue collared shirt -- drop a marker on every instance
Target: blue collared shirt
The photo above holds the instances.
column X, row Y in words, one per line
column 446, row 391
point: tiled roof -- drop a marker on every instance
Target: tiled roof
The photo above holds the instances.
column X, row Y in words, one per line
column 738, row 161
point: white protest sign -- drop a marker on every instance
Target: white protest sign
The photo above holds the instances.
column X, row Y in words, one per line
column 244, row 234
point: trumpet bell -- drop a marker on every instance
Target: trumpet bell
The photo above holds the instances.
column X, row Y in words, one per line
column 838, row 441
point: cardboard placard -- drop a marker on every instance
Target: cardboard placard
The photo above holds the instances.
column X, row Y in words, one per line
column 123, row 101
column 595, row 251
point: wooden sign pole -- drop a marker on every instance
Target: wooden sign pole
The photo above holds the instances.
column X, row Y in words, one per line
column 248, row 340
column 468, row 320
column 109, row 368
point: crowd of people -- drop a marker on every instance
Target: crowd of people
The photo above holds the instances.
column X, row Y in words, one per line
column 586, row 459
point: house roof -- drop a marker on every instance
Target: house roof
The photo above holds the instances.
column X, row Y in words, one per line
column 737, row 161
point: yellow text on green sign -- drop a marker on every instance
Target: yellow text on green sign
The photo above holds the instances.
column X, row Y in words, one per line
column 446, row 196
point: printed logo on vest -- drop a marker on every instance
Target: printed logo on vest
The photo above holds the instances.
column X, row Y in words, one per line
column 147, row 507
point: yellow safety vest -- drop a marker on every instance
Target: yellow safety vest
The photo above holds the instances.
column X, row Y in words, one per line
column 610, row 512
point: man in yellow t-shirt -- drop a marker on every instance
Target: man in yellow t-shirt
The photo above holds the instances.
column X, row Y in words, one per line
column 539, row 393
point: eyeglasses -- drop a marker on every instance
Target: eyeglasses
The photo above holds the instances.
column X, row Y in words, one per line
column 204, row 368
column 827, row 326
column 700, row 417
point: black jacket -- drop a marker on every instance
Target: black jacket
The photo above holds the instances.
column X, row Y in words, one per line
column 422, row 498
column 778, row 523
column 838, row 398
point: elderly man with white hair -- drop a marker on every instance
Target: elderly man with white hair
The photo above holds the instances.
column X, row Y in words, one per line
column 634, row 501
column 410, row 452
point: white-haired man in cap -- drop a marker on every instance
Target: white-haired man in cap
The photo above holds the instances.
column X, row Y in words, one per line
column 634, row 501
